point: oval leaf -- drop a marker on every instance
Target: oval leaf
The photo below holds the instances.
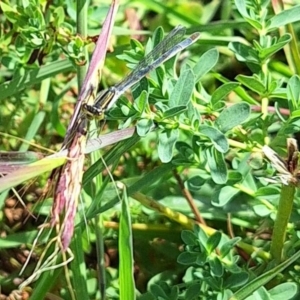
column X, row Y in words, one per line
column 293, row 91
column 141, row 102
column 286, row 290
column 224, row 195
column 218, row 138
column 187, row 258
column 167, row 140
column 206, row 62
column 193, row 291
column 223, row 91
column 183, row 89
column 252, row 83
column 143, row 126
column 285, row 17
column 216, row 268
column 169, row 113
column 217, row 166
column 189, row 238
column 213, row 241
column 236, row 280
column 232, row 116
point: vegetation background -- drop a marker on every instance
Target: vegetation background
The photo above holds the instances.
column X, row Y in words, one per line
column 206, row 209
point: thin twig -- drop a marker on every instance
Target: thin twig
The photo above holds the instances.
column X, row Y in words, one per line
column 186, row 193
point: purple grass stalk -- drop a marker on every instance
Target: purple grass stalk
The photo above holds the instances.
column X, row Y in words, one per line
column 68, row 190
column 74, row 178
column 69, row 180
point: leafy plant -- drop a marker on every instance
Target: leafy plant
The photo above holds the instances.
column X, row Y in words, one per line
column 206, row 168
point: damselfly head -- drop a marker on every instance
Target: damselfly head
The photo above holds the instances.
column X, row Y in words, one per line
column 93, row 112
column 101, row 104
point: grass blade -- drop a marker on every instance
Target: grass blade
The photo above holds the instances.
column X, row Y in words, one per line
column 127, row 285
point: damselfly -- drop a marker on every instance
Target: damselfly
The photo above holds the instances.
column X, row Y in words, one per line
column 166, row 49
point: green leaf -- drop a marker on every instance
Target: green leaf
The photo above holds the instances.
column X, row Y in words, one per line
column 193, row 115
column 232, row 116
column 242, row 8
column 167, row 140
column 228, row 246
column 217, row 138
column 234, row 176
column 261, row 210
column 224, row 195
column 126, row 110
column 201, row 258
column 252, row 83
column 174, row 111
column 31, row 77
column 244, row 52
column 285, row 17
column 286, row 290
column 174, row 293
column 33, row 129
column 138, row 89
column 7, row 8
column 157, row 291
column 261, row 294
column 261, row 280
column 265, row 53
column 163, row 290
column 193, row 291
column 111, row 157
column 293, row 92
column 158, row 36
column 78, row 266
column 236, row 280
column 202, row 236
column 141, row 102
column 195, row 183
column 213, row 242
column 59, row 16
column 143, row 126
column 206, row 62
column 36, row 40
column 185, row 149
column 146, row 296
column 183, row 90
column 216, row 268
column 221, row 92
column 126, row 279
column 8, row 62
column 30, row 171
column 217, row 166
column 46, row 282
column 15, row 240
column 187, row 258
column 188, row 237
column 269, row 193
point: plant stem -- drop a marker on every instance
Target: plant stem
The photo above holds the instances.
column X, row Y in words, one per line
column 281, row 221
column 82, row 7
